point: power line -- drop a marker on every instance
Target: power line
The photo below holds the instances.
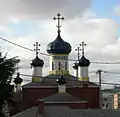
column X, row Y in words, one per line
column 111, row 72
column 29, row 48
column 49, row 55
column 21, row 46
column 16, row 44
column 107, row 83
column 106, row 62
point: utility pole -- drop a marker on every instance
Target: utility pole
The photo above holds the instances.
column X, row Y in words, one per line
column 99, row 76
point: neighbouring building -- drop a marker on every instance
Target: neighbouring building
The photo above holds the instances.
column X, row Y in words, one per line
column 110, row 98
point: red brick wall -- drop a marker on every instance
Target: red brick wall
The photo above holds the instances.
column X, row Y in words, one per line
column 30, row 96
column 78, row 105
column 89, row 94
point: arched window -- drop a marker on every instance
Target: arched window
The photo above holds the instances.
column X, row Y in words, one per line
column 52, row 65
column 59, row 66
column 65, row 65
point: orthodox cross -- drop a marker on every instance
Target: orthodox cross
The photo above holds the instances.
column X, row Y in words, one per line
column 58, row 18
column 82, row 49
column 36, row 48
column 78, row 52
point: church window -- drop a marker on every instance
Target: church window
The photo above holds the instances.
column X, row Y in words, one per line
column 52, row 65
column 65, row 65
column 59, row 66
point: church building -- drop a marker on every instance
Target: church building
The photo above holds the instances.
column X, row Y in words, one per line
column 59, row 87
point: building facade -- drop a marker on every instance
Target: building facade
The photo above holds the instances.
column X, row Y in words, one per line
column 59, row 87
column 111, row 98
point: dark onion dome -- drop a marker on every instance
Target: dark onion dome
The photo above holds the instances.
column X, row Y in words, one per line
column 75, row 66
column 61, row 80
column 37, row 62
column 18, row 80
column 83, row 62
column 58, row 46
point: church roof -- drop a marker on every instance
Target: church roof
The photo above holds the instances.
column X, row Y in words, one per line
column 64, row 111
column 31, row 112
column 18, row 80
column 61, row 98
column 61, row 80
column 83, row 62
column 50, row 81
column 37, row 62
column 58, row 46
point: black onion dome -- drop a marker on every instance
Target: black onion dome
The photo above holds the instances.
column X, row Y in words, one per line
column 83, row 62
column 37, row 62
column 75, row 66
column 61, row 80
column 58, row 46
column 18, row 80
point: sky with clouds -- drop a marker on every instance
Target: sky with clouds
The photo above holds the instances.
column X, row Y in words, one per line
column 96, row 22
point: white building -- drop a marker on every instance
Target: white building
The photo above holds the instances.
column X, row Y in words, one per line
column 108, row 98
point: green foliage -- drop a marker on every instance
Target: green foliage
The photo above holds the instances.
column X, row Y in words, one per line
column 7, row 69
column 1, row 114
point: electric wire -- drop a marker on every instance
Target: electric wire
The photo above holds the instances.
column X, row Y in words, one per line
column 106, row 62
column 107, row 83
column 111, row 72
column 21, row 46
column 49, row 55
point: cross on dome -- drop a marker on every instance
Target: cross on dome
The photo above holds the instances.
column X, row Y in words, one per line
column 36, row 48
column 58, row 18
column 82, row 49
column 78, row 52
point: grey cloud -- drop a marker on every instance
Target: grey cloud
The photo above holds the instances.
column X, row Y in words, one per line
column 43, row 8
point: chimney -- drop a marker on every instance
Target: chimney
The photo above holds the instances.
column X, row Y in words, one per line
column 41, row 107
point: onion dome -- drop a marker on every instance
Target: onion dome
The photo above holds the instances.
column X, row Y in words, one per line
column 58, row 46
column 75, row 66
column 83, row 62
column 37, row 62
column 18, row 80
column 61, row 80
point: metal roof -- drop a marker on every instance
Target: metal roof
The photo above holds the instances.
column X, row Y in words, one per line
column 50, row 81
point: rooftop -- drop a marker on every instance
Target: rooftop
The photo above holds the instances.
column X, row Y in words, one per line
column 63, row 111
column 62, row 98
column 50, row 81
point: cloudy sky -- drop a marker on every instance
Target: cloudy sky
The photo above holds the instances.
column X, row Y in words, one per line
column 96, row 22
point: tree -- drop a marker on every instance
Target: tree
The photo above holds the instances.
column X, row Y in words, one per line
column 7, row 69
